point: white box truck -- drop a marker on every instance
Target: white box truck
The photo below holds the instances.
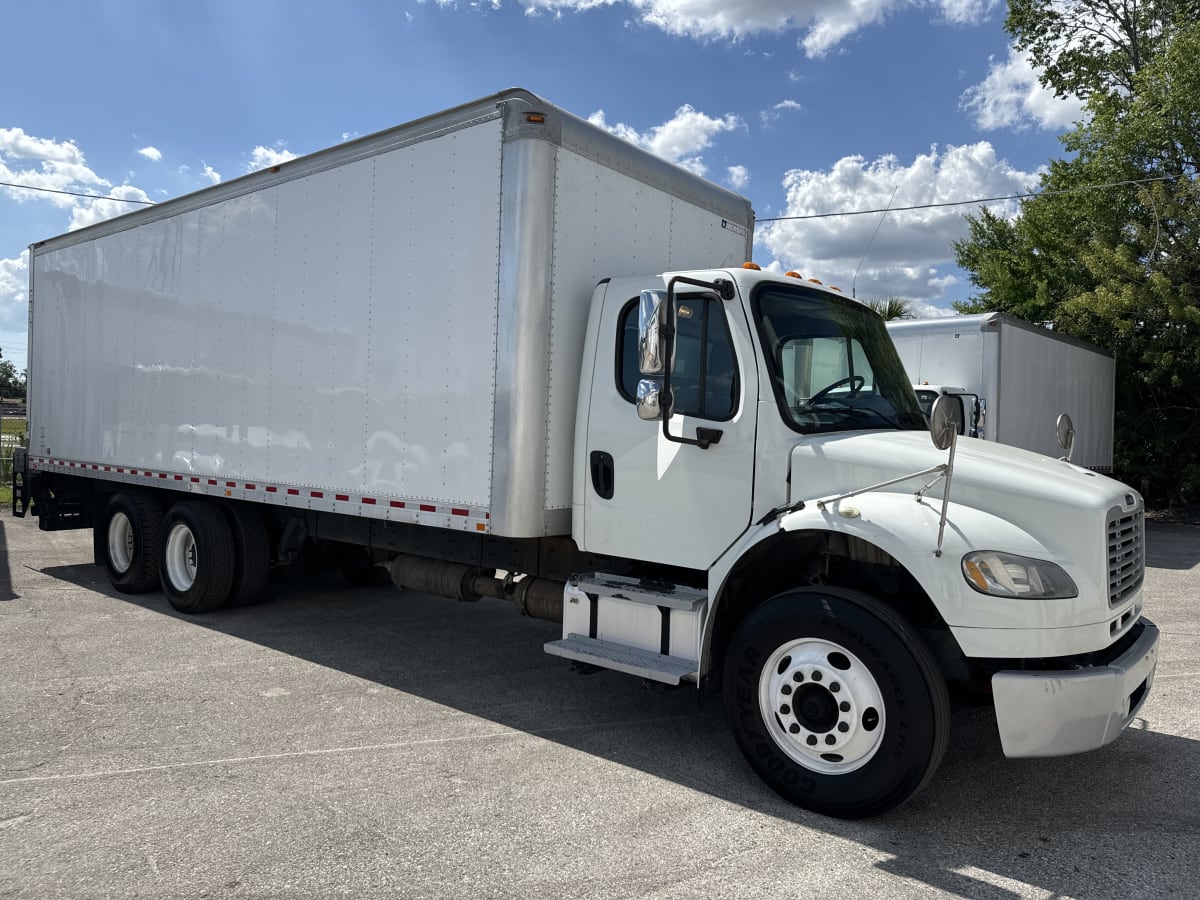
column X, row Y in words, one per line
column 1014, row 380
column 498, row 352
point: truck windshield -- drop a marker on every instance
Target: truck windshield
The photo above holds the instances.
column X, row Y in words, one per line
column 833, row 366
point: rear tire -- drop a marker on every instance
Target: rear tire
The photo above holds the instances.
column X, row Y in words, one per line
column 251, row 555
column 836, row 702
column 129, row 540
column 197, row 557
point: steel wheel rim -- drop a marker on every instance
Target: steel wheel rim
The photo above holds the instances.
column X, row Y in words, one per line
column 120, row 542
column 179, row 557
column 822, row 706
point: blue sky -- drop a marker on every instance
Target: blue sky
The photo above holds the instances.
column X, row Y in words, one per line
column 808, row 106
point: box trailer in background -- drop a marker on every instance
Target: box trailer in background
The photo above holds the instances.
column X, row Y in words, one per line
column 499, row 353
column 1015, row 380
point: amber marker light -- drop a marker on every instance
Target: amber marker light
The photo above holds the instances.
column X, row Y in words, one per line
column 536, row 118
column 753, row 266
column 793, row 274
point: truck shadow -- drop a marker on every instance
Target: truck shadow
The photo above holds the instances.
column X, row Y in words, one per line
column 1028, row 821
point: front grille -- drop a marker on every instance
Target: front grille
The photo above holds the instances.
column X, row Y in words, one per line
column 1126, row 555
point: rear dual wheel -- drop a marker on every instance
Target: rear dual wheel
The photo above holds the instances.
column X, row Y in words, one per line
column 197, row 557
column 836, row 702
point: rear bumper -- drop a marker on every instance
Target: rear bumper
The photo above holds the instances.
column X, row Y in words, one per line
column 1056, row 713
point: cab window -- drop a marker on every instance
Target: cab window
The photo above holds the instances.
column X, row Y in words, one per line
column 704, row 377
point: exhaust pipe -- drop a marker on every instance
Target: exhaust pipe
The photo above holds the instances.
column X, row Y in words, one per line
column 538, row 598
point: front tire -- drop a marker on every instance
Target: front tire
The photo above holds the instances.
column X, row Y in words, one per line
column 197, row 557
column 836, row 702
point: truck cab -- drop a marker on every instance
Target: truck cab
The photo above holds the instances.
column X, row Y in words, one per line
column 836, row 569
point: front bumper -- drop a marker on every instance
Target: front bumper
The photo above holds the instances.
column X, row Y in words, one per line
column 1056, row 713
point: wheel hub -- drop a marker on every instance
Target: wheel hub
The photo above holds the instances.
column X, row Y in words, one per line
column 822, row 705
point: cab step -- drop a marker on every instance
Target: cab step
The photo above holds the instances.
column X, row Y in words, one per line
column 646, row 628
column 622, row 658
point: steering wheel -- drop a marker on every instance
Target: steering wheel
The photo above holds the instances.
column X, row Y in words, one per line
column 856, row 383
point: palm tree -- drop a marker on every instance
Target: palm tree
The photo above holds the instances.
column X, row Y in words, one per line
column 892, row 308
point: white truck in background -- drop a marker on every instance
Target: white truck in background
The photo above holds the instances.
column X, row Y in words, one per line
column 1013, row 381
column 500, row 353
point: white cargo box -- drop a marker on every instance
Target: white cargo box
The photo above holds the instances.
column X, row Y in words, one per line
column 389, row 328
column 1025, row 376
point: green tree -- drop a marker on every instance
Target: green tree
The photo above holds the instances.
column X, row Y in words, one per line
column 892, row 308
column 12, row 383
column 1119, row 267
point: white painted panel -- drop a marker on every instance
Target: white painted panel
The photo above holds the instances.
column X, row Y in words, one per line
column 596, row 237
column 335, row 330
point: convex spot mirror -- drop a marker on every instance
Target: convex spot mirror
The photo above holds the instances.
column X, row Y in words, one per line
column 1066, row 434
column 944, row 421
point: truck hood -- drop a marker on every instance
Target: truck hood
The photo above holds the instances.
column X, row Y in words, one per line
column 1002, row 480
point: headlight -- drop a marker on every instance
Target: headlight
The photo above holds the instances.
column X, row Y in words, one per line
column 1006, row 575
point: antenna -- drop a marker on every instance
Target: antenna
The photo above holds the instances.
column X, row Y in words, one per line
column 854, row 283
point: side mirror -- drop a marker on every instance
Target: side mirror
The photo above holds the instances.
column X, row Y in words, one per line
column 1066, row 434
column 652, row 311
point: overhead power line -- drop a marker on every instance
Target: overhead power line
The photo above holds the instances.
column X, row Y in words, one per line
column 46, row 190
column 887, row 209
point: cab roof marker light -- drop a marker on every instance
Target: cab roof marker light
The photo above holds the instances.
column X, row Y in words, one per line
column 751, row 265
column 815, row 280
column 793, row 274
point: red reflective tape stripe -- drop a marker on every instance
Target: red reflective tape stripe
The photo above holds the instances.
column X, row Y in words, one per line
column 317, row 493
column 122, row 471
column 425, row 507
column 107, row 468
column 179, row 478
column 250, row 487
column 397, row 504
column 212, row 481
column 195, row 480
column 459, row 512
column 370, row 501
column 293, row 492
column 162, row 474
column 345, row 497
column 272, row 490
column 231, row 484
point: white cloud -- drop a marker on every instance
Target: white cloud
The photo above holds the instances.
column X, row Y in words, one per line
column 14, row 282
column 1011, row 97
column 88, row 211
column 738, row 177
column 911, row 254
column 151, row 153
column 680, row 139
column 213, row 176
column 265, row 157
column 822, row 24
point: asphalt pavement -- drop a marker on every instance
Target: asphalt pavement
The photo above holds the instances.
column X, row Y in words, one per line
column 367, row 742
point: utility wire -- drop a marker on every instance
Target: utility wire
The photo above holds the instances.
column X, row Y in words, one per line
column 866, row 212
column 30, row 187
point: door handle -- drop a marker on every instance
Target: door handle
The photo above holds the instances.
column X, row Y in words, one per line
column 603, row 474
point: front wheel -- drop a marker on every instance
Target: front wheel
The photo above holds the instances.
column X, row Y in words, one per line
column 836, row 702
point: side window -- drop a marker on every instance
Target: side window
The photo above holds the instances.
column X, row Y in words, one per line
column 704, row 376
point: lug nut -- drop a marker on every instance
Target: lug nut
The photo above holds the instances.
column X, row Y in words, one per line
column 812, row 740
column 843, row 727
column 834, row 687
column 830, row 739
column 816, row 676
column 794, row 728
column 784, row 710
column 798, row 676
column 786, row 689
column 844, row 706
